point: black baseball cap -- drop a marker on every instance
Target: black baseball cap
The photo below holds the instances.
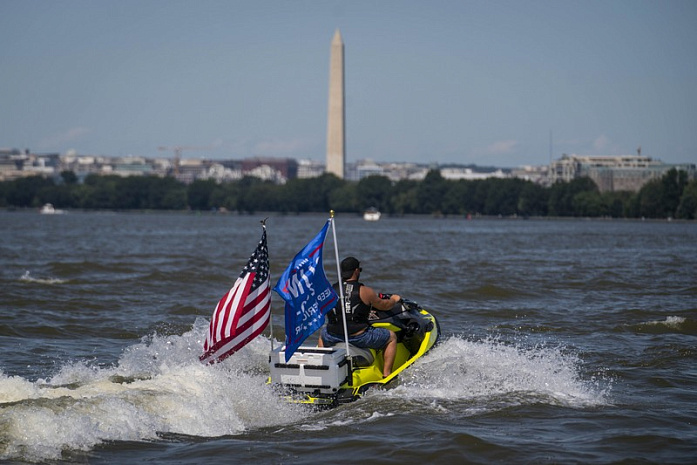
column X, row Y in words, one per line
column 348, row 265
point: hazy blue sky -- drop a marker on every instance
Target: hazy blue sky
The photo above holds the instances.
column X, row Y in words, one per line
column 482, row 82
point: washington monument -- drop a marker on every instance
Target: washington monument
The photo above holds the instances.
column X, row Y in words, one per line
column 336, row 126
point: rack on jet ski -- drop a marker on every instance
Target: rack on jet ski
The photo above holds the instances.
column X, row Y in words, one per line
column 326, row 376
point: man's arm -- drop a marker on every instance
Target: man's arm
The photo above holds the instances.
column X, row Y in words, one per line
column 370, row 297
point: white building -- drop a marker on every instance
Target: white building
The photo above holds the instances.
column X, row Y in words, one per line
column 453, row 174
column 310, row 169
column 613, row 173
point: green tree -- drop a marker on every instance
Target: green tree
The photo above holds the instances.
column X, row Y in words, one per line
column 374, row 191
column 673, row 184
column 618, row 204
column 69, row 177
column 660, row 198
column 481, row 192
column 61, row 196
column 266, row 197
column 313, row 194
column 328, row 183
column 200, row 194
column 24, row 192
column 502, row 196
column 404, row 197
column 561, row 195
column 671, row 195
column 687, row 208
column 131, row 193
column 167, row 194
column 430, row 192
column 533, row 200
column 466, row 197
column 226, row 196
column 100, row 192
column 4, row 190
column 650, row 200
column 245, row 199
column 588, row 203
column 343, row 198
column 455, row 199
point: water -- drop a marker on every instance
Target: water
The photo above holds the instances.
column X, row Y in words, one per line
column 564, row 342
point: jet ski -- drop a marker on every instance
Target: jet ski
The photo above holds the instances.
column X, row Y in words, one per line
column 331, row 376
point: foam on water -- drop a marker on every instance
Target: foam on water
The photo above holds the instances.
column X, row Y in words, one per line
column 671, row 324
column 474, row 378
column 671, row 321
column 493, row 375
column 27, row 277
column 158, row 386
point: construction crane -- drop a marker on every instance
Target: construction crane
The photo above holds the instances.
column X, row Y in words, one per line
column 177, row 149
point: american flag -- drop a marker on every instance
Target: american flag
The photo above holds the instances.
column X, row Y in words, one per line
column 244, row 311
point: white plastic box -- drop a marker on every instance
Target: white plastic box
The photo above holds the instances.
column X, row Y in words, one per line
column 310, row 369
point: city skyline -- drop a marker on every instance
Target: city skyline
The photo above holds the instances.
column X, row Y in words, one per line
column 486, row 83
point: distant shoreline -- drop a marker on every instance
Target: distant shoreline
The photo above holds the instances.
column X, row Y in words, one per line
column 356, row 215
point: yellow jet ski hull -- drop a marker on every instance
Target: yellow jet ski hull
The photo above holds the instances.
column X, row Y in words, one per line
column 325, row 377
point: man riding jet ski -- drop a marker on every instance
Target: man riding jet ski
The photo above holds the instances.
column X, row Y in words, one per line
column 359, row 301
column 336, row 372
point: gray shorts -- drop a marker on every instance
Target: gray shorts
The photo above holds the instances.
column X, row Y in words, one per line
column 371, row 338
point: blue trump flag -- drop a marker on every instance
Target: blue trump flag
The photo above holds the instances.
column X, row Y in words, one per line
column 307, row 293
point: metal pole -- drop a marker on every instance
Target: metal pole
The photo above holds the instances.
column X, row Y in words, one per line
column 341, row 283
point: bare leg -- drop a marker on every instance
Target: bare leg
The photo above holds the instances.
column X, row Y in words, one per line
column 390, row 352
column 320, row 343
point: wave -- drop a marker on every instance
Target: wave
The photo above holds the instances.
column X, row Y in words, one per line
column 27, row 277
column 159, row 389
column 671, row 324
column 671, row 321
column 491, row 375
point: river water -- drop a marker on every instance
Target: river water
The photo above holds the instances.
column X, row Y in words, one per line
column 563, row 342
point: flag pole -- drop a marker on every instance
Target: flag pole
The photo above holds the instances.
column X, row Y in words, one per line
column 341, row 283
column 263, row 224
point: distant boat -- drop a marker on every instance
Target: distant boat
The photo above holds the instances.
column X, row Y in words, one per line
column 48, row 209
column 371, row 214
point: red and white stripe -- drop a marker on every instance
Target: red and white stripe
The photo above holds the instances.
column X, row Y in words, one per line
column 239, row 317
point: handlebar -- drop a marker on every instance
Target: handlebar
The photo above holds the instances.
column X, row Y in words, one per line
column 409, row 303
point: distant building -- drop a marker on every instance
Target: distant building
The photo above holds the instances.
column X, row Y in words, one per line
column 365, row 168
column 613, row 173
column 279, row 170
column 454, row 173
column 610, row 173
column 219, row 172
column 392, row 170
column 189, row 170
column 131, row 166
column 84, row 165
column 537, row 174
column 310, row 169
column 17, row 164
column 11, row 164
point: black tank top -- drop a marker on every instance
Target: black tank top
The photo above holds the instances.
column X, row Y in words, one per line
column 356, row 311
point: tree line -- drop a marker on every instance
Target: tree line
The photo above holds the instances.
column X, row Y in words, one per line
column 672, row 196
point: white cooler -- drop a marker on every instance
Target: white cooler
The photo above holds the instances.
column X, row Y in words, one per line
column 310, row 369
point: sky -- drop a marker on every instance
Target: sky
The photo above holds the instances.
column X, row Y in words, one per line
column 491, row 83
